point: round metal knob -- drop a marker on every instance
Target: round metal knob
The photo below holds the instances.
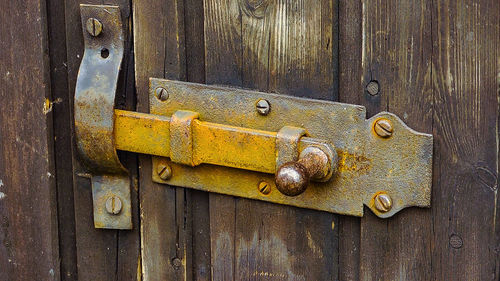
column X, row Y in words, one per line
column 292, row 178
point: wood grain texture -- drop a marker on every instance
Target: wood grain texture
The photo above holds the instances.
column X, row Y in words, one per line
column 165, row 231
column 61, row 113
column 101, row 254
column 284, row 47
column 465, row 86
column 351, row 90
column 396, row 52
column 28, row 206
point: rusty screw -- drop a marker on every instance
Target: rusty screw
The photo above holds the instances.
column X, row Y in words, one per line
column 113, row 205
column 161, row 94
column 264, row 187
column 373, row 88
column 383, row 128
column 263, row 107
column 164, row 171
column 383, row 202
column 176, row 262
column 94, row 27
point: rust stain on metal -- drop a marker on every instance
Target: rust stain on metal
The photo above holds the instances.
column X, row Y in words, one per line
column 94, row 114
column 225, row 135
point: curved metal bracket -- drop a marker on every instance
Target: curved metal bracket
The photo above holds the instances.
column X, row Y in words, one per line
column 94, row 115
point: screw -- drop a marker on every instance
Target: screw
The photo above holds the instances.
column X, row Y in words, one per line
column 263, row 107
column 161, row 94
column 164, row 171
column 383, row 128
column 176, row 262
column 113, row 205
column 94, row 27
column 373, row 88
column 456, row 241
column 264, row 187
column 383, row 202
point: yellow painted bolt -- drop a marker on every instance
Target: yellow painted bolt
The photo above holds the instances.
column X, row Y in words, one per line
column 383, row 128
column 264, row 187
column 383, row 202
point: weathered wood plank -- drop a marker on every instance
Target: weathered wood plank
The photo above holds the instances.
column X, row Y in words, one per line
column 165, row 233
column 198, row 201
column 465, row 86
column 283, row 47
column 102, row 254
column 350, row 91
column 61, row 112
column 28, row 206
column 396, row 56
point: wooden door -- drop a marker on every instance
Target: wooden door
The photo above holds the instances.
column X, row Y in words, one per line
column 436, row 64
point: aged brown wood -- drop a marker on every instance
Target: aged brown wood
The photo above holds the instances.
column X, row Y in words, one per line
column 437, row 65
column 165, row 228
column 28, row 207
column 101, row 254
column 396, row 53
column 465, row 88
column 284, row 47
column 61, row 113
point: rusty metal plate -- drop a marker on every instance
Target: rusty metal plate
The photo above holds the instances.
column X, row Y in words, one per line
column 398, row 166
column 94, row 112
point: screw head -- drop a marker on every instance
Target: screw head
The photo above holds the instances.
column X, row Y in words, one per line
column 373, row 88
column 383, row 202
column 176, row 262
column 263, row 107
column 264, row 187
column 383, row 128
column 164, row 171
column 113, row 205
column 161, row 94
column 94, row 27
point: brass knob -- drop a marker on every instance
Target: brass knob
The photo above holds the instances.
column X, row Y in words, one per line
column 292, row 178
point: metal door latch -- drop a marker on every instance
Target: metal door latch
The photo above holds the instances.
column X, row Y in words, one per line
column 308, row 153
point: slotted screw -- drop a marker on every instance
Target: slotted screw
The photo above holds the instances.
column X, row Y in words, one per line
column 373, row 88
column 161, row 93
column 164, row 171
column 263, row 107
column 383, row 128
column 383, row 202
column 113, row 205
column 94, row 27
column 264, row 187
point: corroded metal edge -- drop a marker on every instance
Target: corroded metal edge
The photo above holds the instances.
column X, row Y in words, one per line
column 399, row 165
column 94, row 113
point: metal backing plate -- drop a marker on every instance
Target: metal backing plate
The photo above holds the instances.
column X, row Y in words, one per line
column 368, row 164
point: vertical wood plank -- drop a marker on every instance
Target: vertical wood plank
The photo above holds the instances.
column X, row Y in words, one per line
column 62, row 139
column 28, row 206
column 101, row 254
column 165, row 233
column 465, row 85
column 350, row 91
column 396, row 56
column 287, row 48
